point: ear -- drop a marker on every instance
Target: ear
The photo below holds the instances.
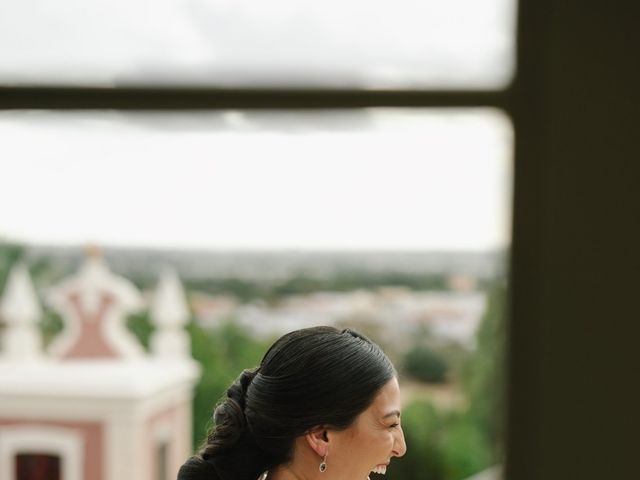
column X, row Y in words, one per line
column 318, row 440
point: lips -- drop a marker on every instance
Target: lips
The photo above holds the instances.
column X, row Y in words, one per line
column 380, row 469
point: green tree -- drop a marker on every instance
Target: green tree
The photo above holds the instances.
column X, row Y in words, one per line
column 10, row 254
column 424, row 364
column 423, row 429
column 485, row 372
column 441, row 445
column 465, row 450
column 140, row 325
column 223, row 354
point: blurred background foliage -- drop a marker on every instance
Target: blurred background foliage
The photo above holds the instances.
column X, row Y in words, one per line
column 426, row 365
column 446, row 441
column 453, row 444
column 344, row 281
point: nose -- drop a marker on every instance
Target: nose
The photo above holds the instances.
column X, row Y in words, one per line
column 399, row 445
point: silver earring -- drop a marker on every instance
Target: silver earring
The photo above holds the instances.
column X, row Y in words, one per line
column 323, row 464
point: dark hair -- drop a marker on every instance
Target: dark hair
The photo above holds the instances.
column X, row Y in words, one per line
column 309, row 377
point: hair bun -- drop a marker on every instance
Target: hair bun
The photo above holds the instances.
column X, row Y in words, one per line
column 195, row 468
column 229, row 415
column 246, row 377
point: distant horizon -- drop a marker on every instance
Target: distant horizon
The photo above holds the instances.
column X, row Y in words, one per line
column 235, row 249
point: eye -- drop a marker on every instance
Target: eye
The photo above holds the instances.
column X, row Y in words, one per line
column 395, row 425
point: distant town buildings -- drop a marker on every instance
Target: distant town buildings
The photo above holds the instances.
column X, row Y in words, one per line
column 448, row 316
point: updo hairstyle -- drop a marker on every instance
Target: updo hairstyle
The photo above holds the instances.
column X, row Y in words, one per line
column 309, row 377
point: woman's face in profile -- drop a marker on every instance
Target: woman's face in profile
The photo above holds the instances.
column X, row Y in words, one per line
column 369, row 444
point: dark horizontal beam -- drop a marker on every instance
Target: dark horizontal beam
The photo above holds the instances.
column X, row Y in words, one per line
column 162, row 98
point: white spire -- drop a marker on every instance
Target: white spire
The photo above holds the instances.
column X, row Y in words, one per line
column 21, row 311
column 169, row 314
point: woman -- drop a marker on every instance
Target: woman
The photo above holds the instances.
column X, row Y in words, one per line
column 323, row 404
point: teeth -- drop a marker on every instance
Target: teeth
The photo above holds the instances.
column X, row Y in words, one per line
column 380, row 469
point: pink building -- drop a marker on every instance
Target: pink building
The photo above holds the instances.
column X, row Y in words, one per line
column 95, row 405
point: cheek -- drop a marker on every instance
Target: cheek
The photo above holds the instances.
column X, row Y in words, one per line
column 382, row 441
column 390, row 440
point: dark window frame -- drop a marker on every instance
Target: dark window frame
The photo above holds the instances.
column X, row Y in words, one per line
column 185, row 98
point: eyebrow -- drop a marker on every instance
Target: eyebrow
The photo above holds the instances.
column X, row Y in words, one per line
column 393, row 413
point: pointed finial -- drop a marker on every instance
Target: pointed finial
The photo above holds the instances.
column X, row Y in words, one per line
column 19, row 303
column 169, row 314
column 21, row 311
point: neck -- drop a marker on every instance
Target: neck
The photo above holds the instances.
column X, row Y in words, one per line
column 288, row 473
column 302, row 466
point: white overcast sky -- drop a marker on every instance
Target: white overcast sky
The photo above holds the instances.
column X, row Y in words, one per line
column 361, row 179
column 375, row 179
column 363, row 43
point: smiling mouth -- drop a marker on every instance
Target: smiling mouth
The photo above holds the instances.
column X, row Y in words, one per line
column 380, row 469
